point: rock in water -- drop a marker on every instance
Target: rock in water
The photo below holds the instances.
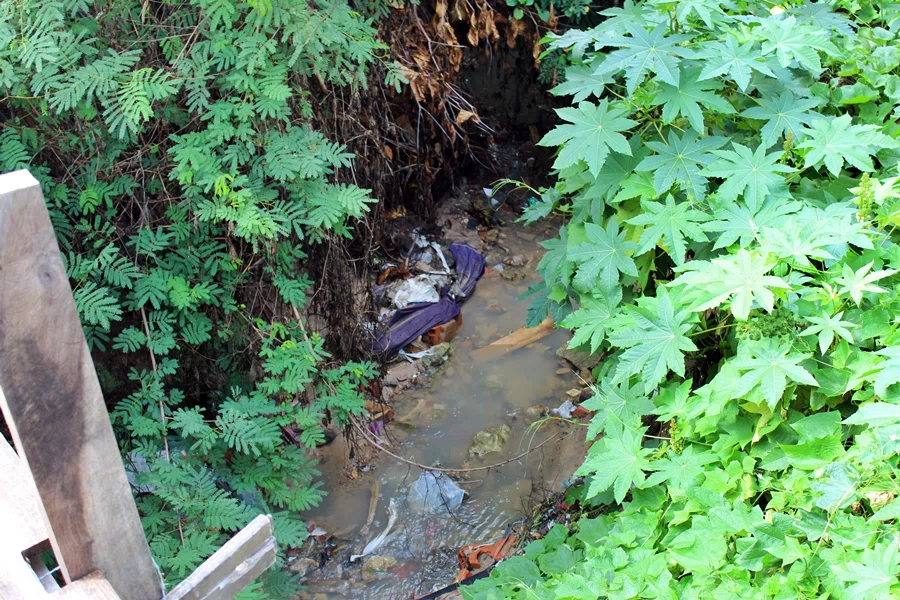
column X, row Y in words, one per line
column 536, row 411
column 303, row 566
column 377, row 564
column 489, row 441
column 581, row 360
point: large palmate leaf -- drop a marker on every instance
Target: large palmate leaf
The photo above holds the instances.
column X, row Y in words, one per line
column 673, row 222
column 768, row 364
column 615, row 407
column 616, row 462
column 826, row 326
column 753, row 174
column 875, row 575
column 796, row 244
column 582, row 81
column 680, row 160
column 735, row 59
column 644, row 52
column 553, row 266
column 654, row 334
column 784, row 115
column 592, row 318
column 856, row 283
column 742, row 278
column 790, row 41
column 602, row 257
column 833, row 141
column 680, row 471
column 687, row 97
column 737, row 223
column 593, row 130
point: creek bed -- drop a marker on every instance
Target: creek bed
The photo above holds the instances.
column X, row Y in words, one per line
column 464, row 397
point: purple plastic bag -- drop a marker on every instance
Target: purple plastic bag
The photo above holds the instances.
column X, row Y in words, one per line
column 469, row 269
column 410, row 322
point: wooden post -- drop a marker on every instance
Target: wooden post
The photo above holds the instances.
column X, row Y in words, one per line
column 54, row 407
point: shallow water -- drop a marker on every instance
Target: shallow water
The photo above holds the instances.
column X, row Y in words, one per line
column 466, row 397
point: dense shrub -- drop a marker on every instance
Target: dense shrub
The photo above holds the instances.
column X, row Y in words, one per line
column 174, row 147
column 729, row 175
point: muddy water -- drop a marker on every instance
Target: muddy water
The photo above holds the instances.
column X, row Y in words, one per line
column 461, row 399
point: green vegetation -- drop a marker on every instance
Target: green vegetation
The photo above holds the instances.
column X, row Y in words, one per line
column 173, row 142
column 729, row 172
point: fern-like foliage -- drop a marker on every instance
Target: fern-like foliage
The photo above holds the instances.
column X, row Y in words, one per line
column 174, row 149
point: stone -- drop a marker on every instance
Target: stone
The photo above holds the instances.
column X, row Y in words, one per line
column 304, row 566
column 489, row 441
column 528, row 237
column 401, row 373
column 377, row 564
column 581, row 360
column 535, row 411
column 492, row 235
column 518, row 260
column 564, row 371
column 440, row 353
column 497, row 309
column 513, row 274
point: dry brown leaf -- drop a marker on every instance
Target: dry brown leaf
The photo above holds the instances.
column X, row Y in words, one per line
column 459, row 10
column 389, row 153
column 536, row 49
column 465, row 115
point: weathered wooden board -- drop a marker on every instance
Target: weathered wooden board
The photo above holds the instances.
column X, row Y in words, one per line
column 21, row 520
column 514, row 341
column 21, row 528
column 91, row 587
column 54, row 407
column 242, row 559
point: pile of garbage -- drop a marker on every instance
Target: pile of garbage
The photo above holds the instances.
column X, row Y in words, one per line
column 428, row 300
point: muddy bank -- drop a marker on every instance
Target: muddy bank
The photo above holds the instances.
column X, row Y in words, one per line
column 444, row 406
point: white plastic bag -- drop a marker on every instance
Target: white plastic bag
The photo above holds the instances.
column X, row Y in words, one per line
column 417, row 289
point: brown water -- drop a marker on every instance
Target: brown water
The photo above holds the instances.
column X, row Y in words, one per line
column 466, row 397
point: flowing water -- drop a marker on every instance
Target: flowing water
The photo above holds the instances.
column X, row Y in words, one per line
column 463, row 398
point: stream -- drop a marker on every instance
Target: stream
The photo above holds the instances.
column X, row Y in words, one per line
column 434, row 425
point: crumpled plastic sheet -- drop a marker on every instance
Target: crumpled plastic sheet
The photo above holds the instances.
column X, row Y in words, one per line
column 416, row 290
column 434, row 492
column 564, row 410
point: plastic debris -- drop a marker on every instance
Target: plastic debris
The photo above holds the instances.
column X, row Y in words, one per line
column 422, row 288
column 374, row 544
column 411, row 321
column 469, row 269
column 435, row 491
column 564, row 410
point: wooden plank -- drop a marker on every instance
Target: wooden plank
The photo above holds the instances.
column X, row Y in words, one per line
column 21, row 520
column 514, row 341
column 242, row 559
column 54, row 408
column 91, row 587
column 22, row 527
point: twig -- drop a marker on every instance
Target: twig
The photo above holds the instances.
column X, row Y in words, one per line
column 413, row 463
column 162, row 413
